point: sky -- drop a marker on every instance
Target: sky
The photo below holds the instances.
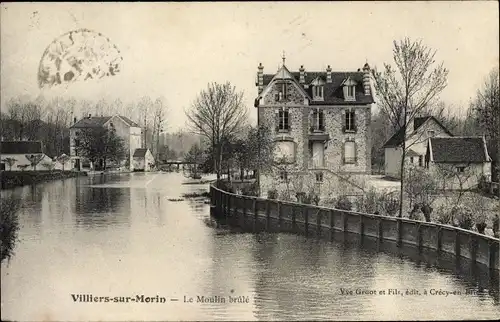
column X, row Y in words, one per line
column 174, row 50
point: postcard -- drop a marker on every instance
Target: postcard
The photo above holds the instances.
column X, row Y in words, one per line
column 240, row 161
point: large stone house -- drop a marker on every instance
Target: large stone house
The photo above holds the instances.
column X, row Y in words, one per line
column 458, row 162
column 418, row 133
column 125, row 128
column 321, row 126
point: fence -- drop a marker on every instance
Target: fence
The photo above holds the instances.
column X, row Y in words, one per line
column 281, row 216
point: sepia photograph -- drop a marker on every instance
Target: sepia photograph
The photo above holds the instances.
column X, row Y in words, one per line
column 250, row 161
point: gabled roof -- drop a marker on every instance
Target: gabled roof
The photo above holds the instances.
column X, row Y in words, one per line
column 21, row 147
column 140, row 153
column 99, row 121
column 129, row 121
column 94, row 121
column 458, row 150
column 397, row 138
column 333, row 92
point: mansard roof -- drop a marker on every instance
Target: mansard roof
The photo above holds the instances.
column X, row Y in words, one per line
column 333, row 92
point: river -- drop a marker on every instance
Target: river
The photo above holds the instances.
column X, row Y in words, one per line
column 128, row 235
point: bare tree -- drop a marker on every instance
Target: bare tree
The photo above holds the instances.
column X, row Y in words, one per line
column 487, row 108
column 159, row 124
column 34, row 159
column 406, row 91
column 10, row 162
column 63, row 159
column 217, row 114
column 450, row 176
column 145, row 106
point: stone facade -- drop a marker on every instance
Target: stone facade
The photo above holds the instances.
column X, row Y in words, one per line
column 325, row 170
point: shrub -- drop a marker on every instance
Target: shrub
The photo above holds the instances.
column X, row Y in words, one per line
column 415, row 212
column 315, row 199
column 464, row 217
column 285, row 196
column 226, row 186
column 496, row 226
column 9, row 226
column 368, row 203
column 445, row 216
column 272, row 194
column 250, row 190
column 343, row 203
column 390, row 204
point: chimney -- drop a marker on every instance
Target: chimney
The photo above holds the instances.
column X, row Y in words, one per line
column 367, row 79
column 328, row 74
column 260, row 77
column 302, row 77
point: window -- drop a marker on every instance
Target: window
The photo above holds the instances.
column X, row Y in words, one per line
column 283, row 176
column 431, row 133
column 349, row 152
column 411, row 160
column 350, row 91
column 318, row 92
column 319, row 176
column 420, row 160
column 350, row 124
column 77, row 142
column 283, row 124
column 460, row 169
column 283, row 93
column 318, row 120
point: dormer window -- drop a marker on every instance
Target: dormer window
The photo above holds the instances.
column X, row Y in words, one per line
column 350, row 92
column 349, row 89
column 318, row 91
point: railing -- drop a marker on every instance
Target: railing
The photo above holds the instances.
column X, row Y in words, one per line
column 275, row 215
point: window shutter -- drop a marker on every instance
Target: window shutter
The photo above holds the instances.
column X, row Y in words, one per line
column 277, row 120
column 321, row 117
column 355, row 153
column 311, row 120
column 354, row 121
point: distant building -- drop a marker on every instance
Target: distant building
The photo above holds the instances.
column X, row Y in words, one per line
column 125, row 128
column 143, row 160
column 15, row 155
column 320, row 122
column 458, row 161
column 418, row 133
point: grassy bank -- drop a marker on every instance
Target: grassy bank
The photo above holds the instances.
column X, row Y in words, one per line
column 12, row 179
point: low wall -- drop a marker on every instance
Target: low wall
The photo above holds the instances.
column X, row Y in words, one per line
column 310, row 220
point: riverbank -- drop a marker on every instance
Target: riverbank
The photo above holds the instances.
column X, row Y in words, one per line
column 12, row 179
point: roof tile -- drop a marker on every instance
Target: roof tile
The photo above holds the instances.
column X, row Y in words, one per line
column 458, row 150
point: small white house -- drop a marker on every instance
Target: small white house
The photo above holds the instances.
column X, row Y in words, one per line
column 458, row 162
column 418, row 133
column 143, row 160
column 23, row 156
